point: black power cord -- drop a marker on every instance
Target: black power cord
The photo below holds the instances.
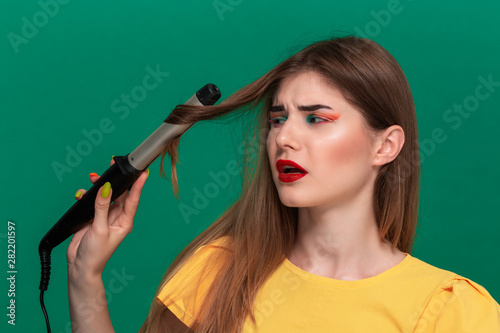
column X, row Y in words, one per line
column 44, row 282
column 44, row 311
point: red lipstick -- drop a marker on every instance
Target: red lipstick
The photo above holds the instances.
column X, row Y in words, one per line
column 289, row 171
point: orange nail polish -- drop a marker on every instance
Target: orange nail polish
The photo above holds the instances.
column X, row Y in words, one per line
column 93, row 174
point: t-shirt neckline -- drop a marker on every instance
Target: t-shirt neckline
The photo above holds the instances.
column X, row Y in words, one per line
column 347, row 283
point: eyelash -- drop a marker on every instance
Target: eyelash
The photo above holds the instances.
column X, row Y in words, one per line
column 273, row 124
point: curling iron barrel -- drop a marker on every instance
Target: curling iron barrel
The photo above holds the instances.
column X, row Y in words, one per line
column 140, row 158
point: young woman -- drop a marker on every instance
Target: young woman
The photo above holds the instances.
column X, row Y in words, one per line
column 321, row 236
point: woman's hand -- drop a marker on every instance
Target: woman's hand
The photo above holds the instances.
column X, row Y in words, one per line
column 92, row 246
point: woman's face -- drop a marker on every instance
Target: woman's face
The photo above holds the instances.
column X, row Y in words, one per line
column 314, row 126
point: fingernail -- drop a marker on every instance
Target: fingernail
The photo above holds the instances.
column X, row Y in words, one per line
column 112, row 156
column 78, row 194
column 93, row 174
column 148, row 174
column 105, row 190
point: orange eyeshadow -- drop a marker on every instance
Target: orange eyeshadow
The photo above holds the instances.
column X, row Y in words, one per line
column 334, row 116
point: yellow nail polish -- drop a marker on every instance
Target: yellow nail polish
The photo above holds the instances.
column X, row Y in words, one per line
column 78, row 194
column 112, row 156
column 148, row 174
column 105, row 190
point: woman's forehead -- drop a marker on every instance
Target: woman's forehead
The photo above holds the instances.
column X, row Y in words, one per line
column 306, row 89
column 304, row 81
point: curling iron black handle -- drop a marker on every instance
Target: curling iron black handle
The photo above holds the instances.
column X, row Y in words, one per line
column 121, row 176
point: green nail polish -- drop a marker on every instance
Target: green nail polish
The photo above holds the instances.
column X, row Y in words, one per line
column 105, row 190
column 78, row 194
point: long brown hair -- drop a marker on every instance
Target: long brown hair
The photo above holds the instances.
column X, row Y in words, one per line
column 261, row 229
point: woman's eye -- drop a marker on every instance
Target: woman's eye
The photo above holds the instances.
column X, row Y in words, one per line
column 314, row 119
column 277, row 121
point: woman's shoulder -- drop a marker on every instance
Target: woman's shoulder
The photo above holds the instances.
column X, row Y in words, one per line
column 219, row 246
column 448, row 301
column 203, row 258
column 221, row 243
column 457, row 304
column 186, row 288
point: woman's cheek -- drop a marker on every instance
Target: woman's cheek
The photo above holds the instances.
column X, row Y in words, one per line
column 343, row 148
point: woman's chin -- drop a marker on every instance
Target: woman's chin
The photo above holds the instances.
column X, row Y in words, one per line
column 293, row 202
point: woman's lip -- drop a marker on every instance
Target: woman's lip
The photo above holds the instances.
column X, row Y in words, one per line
column 290, row 177
column 280, row 164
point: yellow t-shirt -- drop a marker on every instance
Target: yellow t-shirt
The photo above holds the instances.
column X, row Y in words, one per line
column 412, row 296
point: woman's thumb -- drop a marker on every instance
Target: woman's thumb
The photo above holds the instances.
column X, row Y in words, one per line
column 102, row 202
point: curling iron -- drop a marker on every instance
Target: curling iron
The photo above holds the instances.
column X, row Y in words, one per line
column 122, row 174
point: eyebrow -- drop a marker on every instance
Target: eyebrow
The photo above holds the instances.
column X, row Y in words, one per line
column 278, row 108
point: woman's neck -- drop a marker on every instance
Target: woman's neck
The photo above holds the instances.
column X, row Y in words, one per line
column 342, row 244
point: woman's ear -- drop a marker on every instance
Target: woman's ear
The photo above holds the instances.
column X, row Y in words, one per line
column 389, row 143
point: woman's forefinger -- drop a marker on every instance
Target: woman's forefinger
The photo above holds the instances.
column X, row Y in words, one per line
column 121, row 199
column 132, row 200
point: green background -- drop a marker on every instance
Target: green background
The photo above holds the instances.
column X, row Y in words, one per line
column 64, row 78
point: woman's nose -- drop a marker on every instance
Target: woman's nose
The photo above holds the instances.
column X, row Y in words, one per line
column 288, row 135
